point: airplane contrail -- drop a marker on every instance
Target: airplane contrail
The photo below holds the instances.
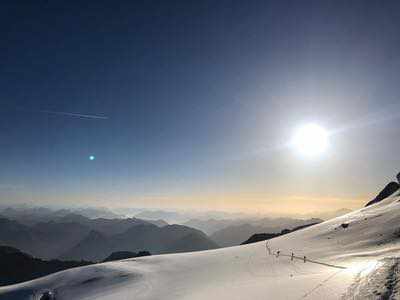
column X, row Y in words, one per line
column 69, row 114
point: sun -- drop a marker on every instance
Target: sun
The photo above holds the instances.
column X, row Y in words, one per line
column 310, row 140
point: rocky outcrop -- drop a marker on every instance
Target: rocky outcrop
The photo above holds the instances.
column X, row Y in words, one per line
column 388, row 190
column 125, row 254
column 258, row 237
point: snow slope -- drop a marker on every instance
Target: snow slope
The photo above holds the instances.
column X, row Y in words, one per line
column 357, row 262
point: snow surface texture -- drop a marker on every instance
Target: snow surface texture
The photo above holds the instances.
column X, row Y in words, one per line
column 350, row 257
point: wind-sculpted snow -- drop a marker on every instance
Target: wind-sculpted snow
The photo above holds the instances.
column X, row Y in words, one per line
column 329, row 261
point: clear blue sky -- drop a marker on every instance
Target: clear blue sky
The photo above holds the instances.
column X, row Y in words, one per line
column 197, row 97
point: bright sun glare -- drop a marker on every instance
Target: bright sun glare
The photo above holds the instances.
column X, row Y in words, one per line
column 310, row 140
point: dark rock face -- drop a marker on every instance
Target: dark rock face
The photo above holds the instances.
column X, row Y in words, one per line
column 126, row 254
column 398, row 178
column 389, row 190
column 258, row 237
column 235, row 234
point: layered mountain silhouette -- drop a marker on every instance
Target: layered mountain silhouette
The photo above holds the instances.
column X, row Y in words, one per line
column 48, row 240
column 62, row 234
column 74, row 236
column 168, row 216
column 32, row 215
column 210, row 226
column 168, row 239
column 236, row 234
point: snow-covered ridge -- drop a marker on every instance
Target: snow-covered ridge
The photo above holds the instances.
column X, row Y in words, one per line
column 350, row 257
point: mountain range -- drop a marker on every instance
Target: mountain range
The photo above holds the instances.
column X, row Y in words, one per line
column 29, row 215
column 77, row 237
column 237, row 233
column 168, row 239
column 66, row 234
column 213, row 223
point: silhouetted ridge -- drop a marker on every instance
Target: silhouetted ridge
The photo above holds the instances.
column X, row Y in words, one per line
column 388, row 190
column 258, row 237
column 168, row 239
column 64, row 235
column 126, row 254
column 17, row 266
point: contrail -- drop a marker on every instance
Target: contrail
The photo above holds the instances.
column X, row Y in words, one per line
column 69, row 114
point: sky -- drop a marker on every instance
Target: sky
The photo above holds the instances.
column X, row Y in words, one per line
column 191, row 104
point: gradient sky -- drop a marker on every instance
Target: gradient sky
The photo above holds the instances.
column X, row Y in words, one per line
column 197, row 100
